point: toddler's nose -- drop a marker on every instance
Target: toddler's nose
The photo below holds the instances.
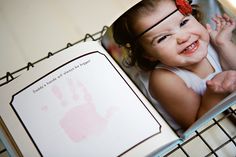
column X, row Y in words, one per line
column 182, row 38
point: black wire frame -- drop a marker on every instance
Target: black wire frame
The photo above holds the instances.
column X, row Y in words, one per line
column 229, row 114
column 12, row 75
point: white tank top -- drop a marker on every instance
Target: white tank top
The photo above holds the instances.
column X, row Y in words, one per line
column 190, row 79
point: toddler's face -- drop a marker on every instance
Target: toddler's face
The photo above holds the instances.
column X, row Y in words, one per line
column 177, row 41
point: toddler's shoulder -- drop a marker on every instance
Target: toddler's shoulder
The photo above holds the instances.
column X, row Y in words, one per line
column 163, row 78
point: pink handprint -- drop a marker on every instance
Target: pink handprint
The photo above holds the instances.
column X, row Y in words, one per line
column 58, row 93
column 83, row 121
column 73, row 90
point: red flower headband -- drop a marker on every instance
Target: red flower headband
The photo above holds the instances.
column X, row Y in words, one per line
column 184, row 6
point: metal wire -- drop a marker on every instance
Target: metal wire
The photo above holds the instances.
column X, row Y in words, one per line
column 12, row 75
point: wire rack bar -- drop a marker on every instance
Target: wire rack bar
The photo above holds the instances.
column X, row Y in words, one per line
column 12, row 75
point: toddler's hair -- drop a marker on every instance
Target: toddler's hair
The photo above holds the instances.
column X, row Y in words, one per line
column 124, row 35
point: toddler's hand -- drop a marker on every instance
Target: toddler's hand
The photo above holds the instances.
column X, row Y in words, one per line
column 223, row 31
column 224, row 82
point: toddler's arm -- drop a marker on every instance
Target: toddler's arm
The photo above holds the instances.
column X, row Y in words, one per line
column 180, row 101
column 221, row 37
column 217, row 89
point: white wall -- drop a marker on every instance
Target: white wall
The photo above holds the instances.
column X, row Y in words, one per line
column 29, row 29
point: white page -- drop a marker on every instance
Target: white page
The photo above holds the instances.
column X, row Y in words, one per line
column 122, row 117
column 82, row 109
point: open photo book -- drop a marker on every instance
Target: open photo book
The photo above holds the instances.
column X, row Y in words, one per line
column 84, row 102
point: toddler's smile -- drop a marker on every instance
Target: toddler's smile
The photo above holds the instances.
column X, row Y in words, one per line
column 191, row 48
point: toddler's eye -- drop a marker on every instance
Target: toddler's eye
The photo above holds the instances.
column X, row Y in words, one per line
column 184, row 22
column 161, row 39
